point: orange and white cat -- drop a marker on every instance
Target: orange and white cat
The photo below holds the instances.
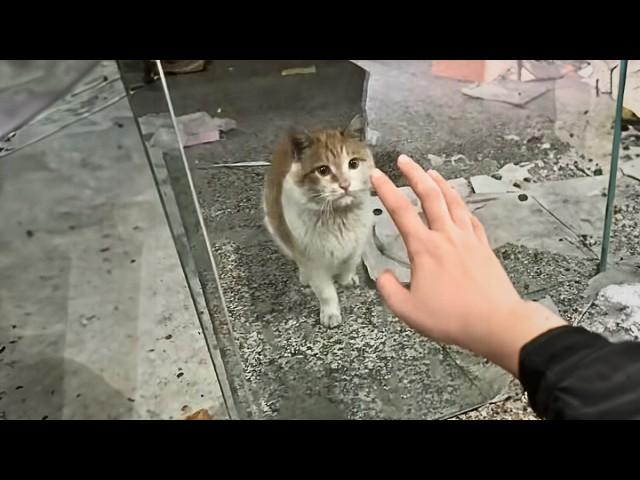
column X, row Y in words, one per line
column 316, row 202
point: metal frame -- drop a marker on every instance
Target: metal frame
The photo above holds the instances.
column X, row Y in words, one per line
column 182, row 211
column 613, row 171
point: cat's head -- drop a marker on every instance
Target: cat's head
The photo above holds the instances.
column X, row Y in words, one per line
column 332, row 165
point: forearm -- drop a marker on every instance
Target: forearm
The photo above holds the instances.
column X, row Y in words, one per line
column 507, row 333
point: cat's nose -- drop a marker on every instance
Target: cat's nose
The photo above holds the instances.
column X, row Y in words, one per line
column 345, row 186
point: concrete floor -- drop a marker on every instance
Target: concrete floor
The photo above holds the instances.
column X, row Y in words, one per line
column 68, row 303
column 96, row 321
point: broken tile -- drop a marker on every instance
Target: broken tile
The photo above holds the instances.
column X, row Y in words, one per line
column 487, row 184
column 515, row 218
column 461, row 185
column 510, row 173
column 578, row 203
column 508, row 91
column 632, row 169
column 519, row 219
column 385, row 249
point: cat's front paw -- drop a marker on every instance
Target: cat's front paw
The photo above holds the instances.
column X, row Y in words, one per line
column 330, row 319
column 349, row 280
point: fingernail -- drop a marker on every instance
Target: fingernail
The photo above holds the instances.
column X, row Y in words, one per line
column 375, row 173
column 434, row 174
column 403, row 159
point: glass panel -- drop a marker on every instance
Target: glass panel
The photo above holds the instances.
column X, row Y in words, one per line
column 168, row 162
column 96, row 321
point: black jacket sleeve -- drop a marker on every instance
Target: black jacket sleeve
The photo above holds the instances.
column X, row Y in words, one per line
column 571, row 373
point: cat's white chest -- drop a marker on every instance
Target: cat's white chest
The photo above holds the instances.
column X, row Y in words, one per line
column 330, row 239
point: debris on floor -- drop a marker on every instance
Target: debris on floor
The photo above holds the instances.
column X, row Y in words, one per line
column 578, row 203
column 558, row 223
column 629, row 115
column 199, row 127
column 239, row 164
column 533, row 70
column 616, row 313
column 470, row 70
column 195, row 128
column 561, row 221
column 616, row 274
column 487, row 184
column 299, row 71
column 385, row 249
column 508, row 91
column 202, row 414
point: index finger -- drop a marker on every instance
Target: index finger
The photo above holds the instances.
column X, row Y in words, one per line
column 400, row 209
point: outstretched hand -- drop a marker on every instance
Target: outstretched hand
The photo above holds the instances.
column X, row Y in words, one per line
column 459, row 291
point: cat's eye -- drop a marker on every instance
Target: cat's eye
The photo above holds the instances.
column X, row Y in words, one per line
column 323, row 170
column 354, row 163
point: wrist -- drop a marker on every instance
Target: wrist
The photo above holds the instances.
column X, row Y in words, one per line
column 512, row 330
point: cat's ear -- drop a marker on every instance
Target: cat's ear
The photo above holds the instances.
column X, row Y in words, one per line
column 356, row 128
column 300, row 140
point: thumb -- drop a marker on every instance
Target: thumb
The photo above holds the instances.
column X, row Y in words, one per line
column 394, row 294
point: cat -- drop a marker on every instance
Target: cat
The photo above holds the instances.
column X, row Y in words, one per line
column 317, row 210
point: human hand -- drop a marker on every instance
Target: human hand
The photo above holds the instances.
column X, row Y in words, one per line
column 459, row 291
